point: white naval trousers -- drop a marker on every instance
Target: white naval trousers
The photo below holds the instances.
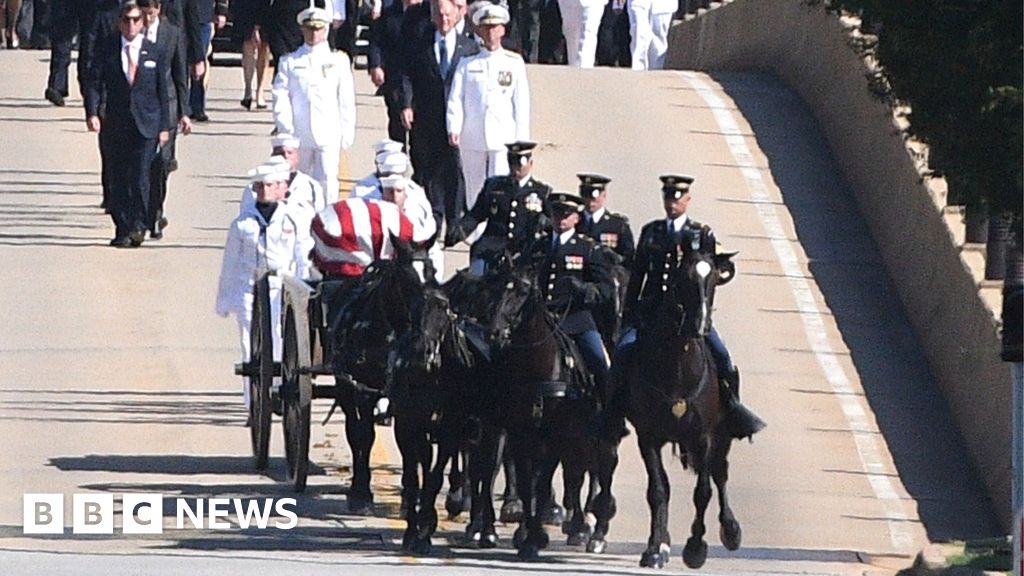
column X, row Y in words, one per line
column 580, row 23
column 649, row 35
column 478, row 166
column 321, row 164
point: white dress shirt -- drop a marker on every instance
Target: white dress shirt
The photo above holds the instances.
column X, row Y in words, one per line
column 134, row 47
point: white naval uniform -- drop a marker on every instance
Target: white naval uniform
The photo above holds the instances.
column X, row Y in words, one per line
column 649, row 21
column 315, row 99
column 283, row 244
column 488, row 107
column 304, row 194
column 580, row 22
column 417, row 209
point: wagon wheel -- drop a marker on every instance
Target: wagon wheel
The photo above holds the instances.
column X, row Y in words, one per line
column 296, row 394
column 262, row 372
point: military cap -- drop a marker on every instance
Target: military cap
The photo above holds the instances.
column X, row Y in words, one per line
column 386, row 145
column 285, row 141
column 392, row 163
column 393, row 181
column 519, row 152
column 591, row 185
column 276, row 169
column 675, row 185
column 313, row 17
column 565, row 201
column 490, row 15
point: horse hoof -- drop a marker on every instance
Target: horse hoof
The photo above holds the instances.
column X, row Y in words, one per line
column 511, row 512
column 519, row 537
column 543, row 540
column 408, row 539
column 651, row 559
column 576, row 539
column 731, row 535
column 453, row 504
column 695, row 553
column 528, row 553
column 597, row 545
column 422, row 547
column 488, row 541
column 553, row 516
column 360, row 507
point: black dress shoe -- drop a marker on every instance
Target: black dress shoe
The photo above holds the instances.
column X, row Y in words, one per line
column 121, row 242
column 247, row 103
column 200, row 117
column 172, row 165
column 136, row 238
column 55, row 97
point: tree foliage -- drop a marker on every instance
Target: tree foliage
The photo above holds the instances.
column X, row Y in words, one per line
column 958, row 65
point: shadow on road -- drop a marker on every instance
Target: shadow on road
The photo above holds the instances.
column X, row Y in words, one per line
column 932, row 462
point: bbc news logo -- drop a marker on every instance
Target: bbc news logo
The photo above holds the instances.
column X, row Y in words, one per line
column 144, row 513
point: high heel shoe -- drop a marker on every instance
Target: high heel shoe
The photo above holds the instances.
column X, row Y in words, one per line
column 247, row 103
column 261, row 106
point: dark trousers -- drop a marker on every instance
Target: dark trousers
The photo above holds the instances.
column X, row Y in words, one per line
column 396, row 130
column 69, row 18
column 437, row 167
column 158, row 182
column 550, row 41
column 128, row 161
column 526, row 27
column 197, row 92
column 613, row 38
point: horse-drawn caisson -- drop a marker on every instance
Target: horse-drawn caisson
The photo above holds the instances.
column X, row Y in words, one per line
column 511, row 352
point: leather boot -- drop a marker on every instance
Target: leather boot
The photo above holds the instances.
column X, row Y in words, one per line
column 740, row 421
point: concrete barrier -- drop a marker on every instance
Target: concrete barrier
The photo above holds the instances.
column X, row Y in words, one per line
column 809, row 49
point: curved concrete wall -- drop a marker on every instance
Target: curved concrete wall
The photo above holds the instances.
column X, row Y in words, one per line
column 808, row 49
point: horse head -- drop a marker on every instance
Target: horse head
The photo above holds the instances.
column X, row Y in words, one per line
column 699, row 270
column 518, row 288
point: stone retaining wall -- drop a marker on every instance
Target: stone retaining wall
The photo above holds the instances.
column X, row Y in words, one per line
column 809, row 49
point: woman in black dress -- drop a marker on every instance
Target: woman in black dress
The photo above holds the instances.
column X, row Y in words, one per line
column 248, row 25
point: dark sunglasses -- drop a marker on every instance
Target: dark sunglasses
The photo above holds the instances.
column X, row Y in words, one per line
column 131, row 18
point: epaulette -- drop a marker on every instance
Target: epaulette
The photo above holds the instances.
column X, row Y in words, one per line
column 509, row 52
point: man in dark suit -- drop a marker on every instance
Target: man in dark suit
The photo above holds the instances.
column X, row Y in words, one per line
column 69, row 18
column 171, row 42
column 384, row 61
column 126, row 102
column 434, row 49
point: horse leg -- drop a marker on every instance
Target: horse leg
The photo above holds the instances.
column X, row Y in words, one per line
column 454, row 503
column 359, row 428
column 511, row 505
column 696, row 550
column 433, row 478
column 575, row 526
column 604, row 503
column 658, row 544
column 527, row 536
column 481, row 469
column 729, row 531
column 410, row 479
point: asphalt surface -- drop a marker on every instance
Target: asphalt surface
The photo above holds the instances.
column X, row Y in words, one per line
column 116, row 375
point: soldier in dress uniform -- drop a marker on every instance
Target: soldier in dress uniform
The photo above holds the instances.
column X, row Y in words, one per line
column 314, row 99
column 489, row 103
column 512, row 206
column 266, row 234
column 575, row 280
column 603, row 226
column 658, row 250
column 611, row 231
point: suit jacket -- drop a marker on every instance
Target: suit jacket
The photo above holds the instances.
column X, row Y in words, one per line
column 423, row 88
column 171, row 41
column 185, row 15
column 386, row 44
column 142, row 106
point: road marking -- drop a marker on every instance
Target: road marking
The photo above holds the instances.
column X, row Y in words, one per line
column 812, row 318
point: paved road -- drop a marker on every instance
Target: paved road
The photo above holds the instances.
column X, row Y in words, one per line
column 115, row 374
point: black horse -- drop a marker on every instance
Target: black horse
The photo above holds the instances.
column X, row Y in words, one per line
column 674, row 398
column 543, row 398
column 427, row 381
column 367, row 318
